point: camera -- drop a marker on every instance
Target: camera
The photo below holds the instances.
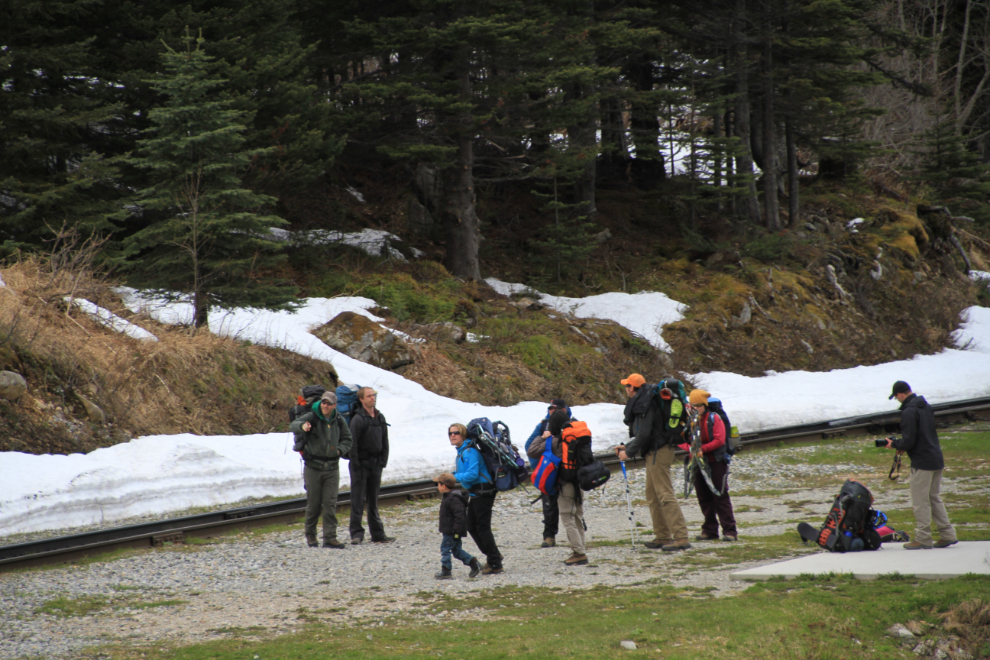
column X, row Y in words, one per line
column 882, row 442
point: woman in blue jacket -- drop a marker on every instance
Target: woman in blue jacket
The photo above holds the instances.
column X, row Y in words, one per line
column 473, row 476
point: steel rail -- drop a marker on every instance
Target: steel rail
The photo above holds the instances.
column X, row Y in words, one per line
column 177, row 530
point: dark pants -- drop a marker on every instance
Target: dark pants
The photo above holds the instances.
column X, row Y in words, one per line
column 321, row 494
column 479, row 526
column 366, row 481
column 551, row 515
column 712, row 506
column 451, row 546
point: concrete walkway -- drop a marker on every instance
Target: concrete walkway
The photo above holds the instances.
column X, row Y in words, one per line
column 935, row 564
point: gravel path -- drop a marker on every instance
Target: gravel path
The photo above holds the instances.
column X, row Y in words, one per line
column 273, row 584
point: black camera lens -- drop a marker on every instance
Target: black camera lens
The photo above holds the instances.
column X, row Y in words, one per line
column 882, row 442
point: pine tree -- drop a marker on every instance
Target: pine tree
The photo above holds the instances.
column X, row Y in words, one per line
column 207, row 232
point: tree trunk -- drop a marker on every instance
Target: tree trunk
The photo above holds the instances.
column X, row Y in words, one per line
column 744, row 160
column 771, row 205
column 649, row 168
column 793, row 185
column 201, row 309
column 459, row 215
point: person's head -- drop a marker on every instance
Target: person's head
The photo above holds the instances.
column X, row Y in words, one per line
column 367, row 396
column 900, row 391
column 457, row 433
column 556, row 422
column 633, row 383
column 445, row 482
column 698, row 399
column 328, row 403
column 556, row 404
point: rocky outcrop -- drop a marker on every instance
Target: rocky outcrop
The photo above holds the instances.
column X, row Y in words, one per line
column 362, row 339
column 12, row 385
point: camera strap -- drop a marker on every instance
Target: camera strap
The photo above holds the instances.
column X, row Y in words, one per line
column 895, row 467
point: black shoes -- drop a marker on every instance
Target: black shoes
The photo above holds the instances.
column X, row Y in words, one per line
column 311, row 541
column 705, row 537
column 444, row 574
column 475, row 568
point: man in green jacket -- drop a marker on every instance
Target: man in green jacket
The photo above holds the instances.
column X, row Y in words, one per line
column 322, row 437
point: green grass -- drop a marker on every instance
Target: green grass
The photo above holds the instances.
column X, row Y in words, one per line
column 66, row 607
column 832, row 617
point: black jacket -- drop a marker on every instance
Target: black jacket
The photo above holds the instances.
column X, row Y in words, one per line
column 453, row 513
column 918, row 436
column 370, row 438
column 644, row 428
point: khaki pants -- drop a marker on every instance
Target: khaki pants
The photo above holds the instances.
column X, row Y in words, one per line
column 928, row 507
column 321, row 493
column 668, row 520
column 571, row 514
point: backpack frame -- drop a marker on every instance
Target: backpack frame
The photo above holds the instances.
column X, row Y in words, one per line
column 493, row 441
column 851, row 517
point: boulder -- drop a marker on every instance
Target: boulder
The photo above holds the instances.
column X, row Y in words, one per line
column 446, row 330
column 12, row 385
column 361, row 338
column 93, row 411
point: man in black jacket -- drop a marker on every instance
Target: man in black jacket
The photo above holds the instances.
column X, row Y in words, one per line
column 368, row 457
column 920, row 441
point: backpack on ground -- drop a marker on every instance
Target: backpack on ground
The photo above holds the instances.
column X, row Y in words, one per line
column 307, row 396
column 670, row 401
column 731, row 433
column 503, row 461
column 849, row 526
column 347, row 401
column 547, row 470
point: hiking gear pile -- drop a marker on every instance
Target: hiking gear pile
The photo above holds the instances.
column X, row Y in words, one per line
column 850, row 525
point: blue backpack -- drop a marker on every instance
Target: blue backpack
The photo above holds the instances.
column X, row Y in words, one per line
column 545, row 475
column 347, row 401
column 731, row 443
column 501, row 459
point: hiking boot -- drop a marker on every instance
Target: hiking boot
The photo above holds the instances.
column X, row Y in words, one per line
column 444, row 574
column 475, row 568
column 656, row 545
column 311, row 540
column 945, row 544
column 334, row 543
column 730, row 537
column 357, row 541
column 705, row 537
column 576, row 559
column 548, row 542
column 676, row 546
column 914, row 545
column 488, row 569
column 384, row 539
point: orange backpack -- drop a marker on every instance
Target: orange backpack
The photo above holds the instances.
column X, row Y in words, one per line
column 575, row 449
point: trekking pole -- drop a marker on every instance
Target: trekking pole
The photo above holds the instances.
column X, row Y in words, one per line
column 632, row 525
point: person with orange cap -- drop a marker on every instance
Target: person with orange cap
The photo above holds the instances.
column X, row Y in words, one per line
column 716, row 508
column 648, row 440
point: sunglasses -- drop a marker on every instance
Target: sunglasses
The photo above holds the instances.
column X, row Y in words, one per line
column 453, row 432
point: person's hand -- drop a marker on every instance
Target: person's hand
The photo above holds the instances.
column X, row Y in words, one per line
column 546, row 434
column 890, row 443
column 622, row 455
column 306, row 426
column 619, row 448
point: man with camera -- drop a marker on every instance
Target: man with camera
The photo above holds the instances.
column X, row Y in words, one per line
column 919, row 441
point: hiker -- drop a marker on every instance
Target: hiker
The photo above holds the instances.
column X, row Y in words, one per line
column 453, row 526
column 368, row 457
column 919, row 441
column 648, row 440
column 569, row 496
column 472, row 474
column 716, row 509
column 322, row 437
column 534, row 449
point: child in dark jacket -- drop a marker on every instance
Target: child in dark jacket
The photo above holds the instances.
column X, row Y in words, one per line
column 453, row 526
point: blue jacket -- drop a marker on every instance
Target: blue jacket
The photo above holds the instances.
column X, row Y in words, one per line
column 537, row 432
column 470, row 468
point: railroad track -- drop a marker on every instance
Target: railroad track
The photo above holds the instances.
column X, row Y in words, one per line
column 176, row 530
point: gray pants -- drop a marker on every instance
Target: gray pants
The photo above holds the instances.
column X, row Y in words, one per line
column 571, row 515
column 928, row 507
column 321, row 493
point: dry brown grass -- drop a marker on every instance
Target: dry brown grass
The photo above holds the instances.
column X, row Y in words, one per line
column 183, row 383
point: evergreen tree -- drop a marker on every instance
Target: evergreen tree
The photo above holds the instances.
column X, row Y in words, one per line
column 208, row 235
column 53, row 112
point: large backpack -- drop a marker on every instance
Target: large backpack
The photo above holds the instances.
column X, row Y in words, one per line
column 731, row 435
column 347, row 401
column 547, row 470
column 851, row 519
column 575, row 450
column 308, row 395
column 670, row 401
column 505, row 465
